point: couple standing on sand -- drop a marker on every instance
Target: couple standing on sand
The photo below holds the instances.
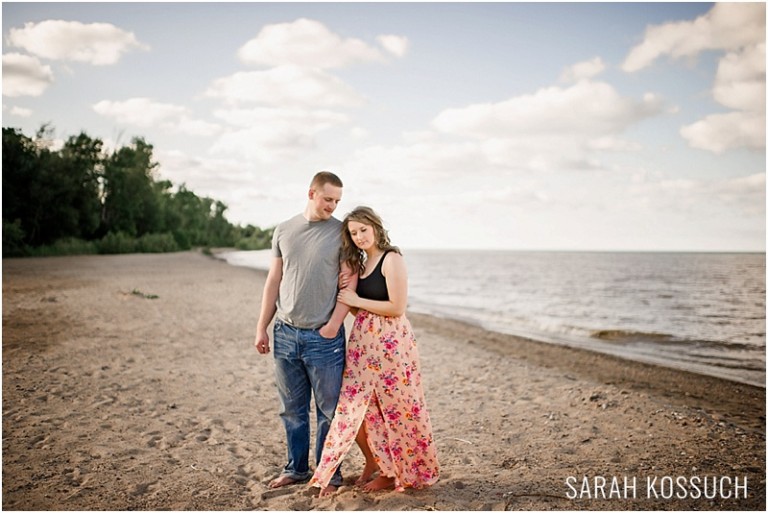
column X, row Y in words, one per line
column 369, row 392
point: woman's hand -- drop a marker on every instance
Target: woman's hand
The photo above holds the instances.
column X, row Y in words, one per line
column 348, row 297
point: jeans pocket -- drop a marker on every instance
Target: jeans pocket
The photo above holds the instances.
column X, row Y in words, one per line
column 315, row 337
column 284, row 345
column 326, row 352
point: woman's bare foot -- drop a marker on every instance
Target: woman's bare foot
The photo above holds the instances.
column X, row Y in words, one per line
column 328, row 490
column 368, row 471
column 281, row 481
column 380, row 483
column 371, row 467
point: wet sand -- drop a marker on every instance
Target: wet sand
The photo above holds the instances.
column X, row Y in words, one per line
column 131, row 382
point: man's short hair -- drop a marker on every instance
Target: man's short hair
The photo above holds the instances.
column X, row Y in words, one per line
column 324, row 177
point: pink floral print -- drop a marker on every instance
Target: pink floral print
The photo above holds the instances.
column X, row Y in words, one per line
column 382, row 387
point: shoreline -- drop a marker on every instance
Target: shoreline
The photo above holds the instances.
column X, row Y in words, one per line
column 601, row 345
column 605, row 350
column 130, row 382
column 682, row 386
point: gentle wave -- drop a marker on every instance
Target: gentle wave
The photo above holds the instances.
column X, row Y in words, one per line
column 663, row 308
column 629, row 336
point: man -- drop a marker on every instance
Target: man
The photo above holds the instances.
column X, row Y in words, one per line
column 309, row 338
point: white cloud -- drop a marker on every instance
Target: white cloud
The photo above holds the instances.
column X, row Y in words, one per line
column 738, row 29
column 748, row 190
column 285, row 86
column 552, row 129
column 720, row 132
column 206, row 176
column 141, row 112
column 396, row 45
column 740, row 79
column 305, row 43
column 146, row 113
column 271, row 135
column 295, row 92
column 417, row 136
column 611, row 143
column 252, row 195
column 587, row 108
column 359, row 133
column 196, row 127
column 583, row 70
column 21, row 112
column 740, row 85
column 310, row 120
column 94, row 43
column 263, row 144
column 727, row 26
column 24, row 75
column 428, row 166
column 745, row 194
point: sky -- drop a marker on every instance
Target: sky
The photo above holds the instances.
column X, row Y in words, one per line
column 522, row 126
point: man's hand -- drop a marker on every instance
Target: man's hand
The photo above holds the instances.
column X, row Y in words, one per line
column 344, row 276
column 262, row 342
column 328, row 331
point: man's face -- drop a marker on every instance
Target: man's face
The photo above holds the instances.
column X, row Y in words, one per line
column 324, row 201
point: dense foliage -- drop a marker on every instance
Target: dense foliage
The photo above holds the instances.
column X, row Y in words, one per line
column 79, row 199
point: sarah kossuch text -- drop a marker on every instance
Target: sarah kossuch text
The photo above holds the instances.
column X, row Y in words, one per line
column 657, row 487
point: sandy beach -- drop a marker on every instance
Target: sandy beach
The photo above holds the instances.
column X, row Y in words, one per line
column 131, row 382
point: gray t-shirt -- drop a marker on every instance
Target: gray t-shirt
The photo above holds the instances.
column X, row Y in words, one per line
column 310, row 253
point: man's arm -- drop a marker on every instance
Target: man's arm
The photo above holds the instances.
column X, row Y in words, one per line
column 268, row 304
column 331, row 328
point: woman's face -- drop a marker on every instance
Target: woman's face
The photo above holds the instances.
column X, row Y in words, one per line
column 363, row 235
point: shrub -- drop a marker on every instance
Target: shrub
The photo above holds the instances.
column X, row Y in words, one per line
column 66, row 246
column 253, row 243
column 13, row 239
column 182, row 240
column 115, row 243
column 156, row 243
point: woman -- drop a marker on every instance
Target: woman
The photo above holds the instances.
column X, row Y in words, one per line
column 382, row 404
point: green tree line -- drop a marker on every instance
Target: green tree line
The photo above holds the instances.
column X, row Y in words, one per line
column 82, row 199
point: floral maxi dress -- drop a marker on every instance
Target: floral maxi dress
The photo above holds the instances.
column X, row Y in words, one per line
column 382, row 387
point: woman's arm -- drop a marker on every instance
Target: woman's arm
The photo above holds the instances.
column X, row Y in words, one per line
column 396, row 275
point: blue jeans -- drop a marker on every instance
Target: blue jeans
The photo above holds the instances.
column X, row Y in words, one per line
column 305, row 362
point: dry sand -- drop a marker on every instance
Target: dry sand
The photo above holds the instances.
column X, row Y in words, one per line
column 114, row 399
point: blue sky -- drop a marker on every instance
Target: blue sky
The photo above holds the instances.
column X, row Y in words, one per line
column 575, row 126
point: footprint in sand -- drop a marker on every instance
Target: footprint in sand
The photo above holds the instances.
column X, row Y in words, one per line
column 242, row 477
column 239, row 450
column 204, row 435
column 142, row 488
column 154, row 438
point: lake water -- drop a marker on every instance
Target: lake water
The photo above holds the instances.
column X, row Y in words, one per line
column 702, row 312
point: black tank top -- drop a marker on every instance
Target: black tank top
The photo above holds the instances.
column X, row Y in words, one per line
column 374, row 286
